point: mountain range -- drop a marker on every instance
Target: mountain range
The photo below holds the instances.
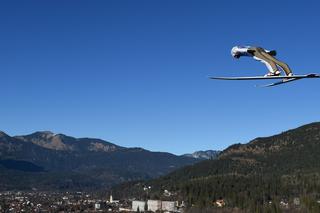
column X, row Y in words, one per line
column 47, row 161
column 249, row 176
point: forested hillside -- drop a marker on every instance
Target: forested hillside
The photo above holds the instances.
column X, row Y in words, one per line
column 256, row 175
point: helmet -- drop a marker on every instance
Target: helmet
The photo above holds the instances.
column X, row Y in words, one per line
column 235, row 51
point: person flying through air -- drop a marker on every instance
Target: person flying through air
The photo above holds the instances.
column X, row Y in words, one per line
column 264, row 56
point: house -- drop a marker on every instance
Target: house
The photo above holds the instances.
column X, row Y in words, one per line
column 138, row 206
column 220, row 203
column 154, row 205
column 284, row 203
column 97, row 206
column 169, row 206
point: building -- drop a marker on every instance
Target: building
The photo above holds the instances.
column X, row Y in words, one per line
column 284, row 203
column 169, row 206
column 220, row 203
column 138, row 205
column 157, row 205
column 111, row 200
column 154, row 205
column 124, row 210
column 296, row 201
column 97, row 206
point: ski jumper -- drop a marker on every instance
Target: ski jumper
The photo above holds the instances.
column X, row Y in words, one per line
column 264, row 56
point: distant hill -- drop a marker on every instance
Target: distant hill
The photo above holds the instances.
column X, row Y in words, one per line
column 204, row 155
column 250, row 176
column 48, row 161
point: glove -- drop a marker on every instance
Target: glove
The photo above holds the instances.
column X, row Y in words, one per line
column 250, row 51
column 273, row 53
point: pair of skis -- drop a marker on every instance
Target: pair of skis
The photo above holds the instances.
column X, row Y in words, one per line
column 284, row 79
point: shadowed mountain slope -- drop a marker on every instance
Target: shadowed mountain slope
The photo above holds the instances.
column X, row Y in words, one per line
column 46, row 160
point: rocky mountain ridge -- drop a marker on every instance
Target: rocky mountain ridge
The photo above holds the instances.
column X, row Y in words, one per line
column 205, row 155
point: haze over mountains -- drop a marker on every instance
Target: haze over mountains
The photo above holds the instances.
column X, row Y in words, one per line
column 55, row 161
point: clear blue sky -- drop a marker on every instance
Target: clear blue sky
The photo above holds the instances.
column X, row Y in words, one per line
column 135, row 72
